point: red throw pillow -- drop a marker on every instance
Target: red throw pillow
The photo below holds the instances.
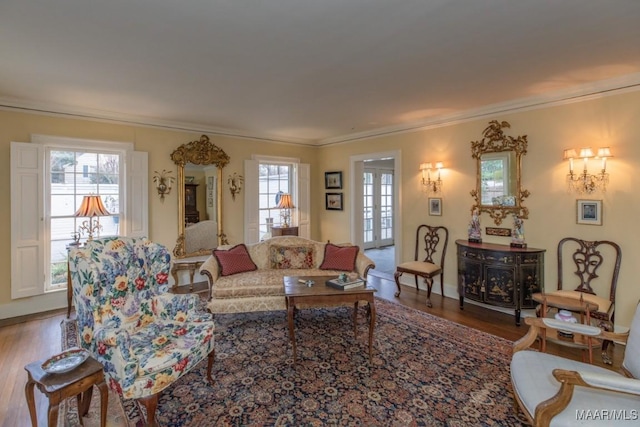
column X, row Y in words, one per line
column 234, row 260
column 341, row 258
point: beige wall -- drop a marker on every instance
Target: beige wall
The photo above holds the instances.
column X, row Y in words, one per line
column 609, row 121
column 163, row 215
column 612, row 120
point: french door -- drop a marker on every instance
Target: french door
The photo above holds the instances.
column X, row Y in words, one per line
column 378, row 208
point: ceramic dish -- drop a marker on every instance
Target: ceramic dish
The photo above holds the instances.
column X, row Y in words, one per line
column 65, row 361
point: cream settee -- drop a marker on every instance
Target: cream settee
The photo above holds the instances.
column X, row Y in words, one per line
column 262, row 289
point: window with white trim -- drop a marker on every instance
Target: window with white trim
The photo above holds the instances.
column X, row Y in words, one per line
column 274, row 179
column 70, row 175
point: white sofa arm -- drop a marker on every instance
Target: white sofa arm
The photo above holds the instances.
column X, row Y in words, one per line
column 211, row 269
column 363, row 264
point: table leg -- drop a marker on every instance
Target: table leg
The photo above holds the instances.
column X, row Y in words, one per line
column 192, row 272
column 31, row 402
column 174, row 274
column 355, row 320
column 104, row 401
column 372, row 322
column 53, row 413
column 292, row 335
column 84, row 401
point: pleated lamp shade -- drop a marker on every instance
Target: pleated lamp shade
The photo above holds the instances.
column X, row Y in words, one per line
column 285, row 202
column 92, row 206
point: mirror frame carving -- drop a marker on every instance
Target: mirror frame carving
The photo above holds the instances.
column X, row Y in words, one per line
column 199, row 152
column 494, row 140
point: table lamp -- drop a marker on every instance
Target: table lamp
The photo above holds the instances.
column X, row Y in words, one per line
column 285, row 204
column 91, row 206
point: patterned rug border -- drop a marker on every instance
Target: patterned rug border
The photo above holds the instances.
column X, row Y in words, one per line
column 485, row 346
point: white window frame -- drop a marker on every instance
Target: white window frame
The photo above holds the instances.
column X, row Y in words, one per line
column 299, row 187
column 30, row 199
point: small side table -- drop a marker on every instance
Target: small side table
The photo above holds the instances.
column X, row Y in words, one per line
column 190, row 264
column 78, row 382
column 284, row 231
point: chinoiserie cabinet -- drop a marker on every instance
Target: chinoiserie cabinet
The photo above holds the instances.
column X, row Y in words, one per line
column 191, row 214
column 499, row 275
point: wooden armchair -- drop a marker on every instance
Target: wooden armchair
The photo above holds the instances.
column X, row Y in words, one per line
column 594, row 267
column 145, row 337
column 552, row 390
column 431, row 248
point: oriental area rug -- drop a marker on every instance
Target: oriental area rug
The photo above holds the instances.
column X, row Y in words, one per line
column 426, row 371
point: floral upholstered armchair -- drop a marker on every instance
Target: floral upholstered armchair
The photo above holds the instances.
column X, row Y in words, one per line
column 145, row 337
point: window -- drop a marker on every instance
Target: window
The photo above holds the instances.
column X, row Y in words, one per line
column 266, row 178
column 49, row 178
column 274, row 180
column 72, row 174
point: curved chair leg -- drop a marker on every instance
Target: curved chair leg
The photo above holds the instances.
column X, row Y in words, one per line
column 429, row 282
column 396, row 277
column 211, row 357
column 150, row 404
column 606, row 358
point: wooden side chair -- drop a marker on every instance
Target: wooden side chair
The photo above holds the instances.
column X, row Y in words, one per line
column 431, row 248
column 597, row 266
column 552, row 390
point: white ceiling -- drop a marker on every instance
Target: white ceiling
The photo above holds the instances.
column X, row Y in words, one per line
column 311, row 71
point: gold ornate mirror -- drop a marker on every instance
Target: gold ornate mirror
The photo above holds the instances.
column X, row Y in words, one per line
column 200, row 229
column 498, row 179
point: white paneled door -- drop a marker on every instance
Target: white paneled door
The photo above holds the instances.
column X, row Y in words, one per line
column 378, row 207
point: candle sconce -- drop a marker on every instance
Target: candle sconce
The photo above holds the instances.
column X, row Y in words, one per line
column 586, row 183
column 235, row 184
column 163, row 182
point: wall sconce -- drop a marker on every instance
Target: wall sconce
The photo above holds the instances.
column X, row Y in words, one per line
column 586, row 183
column 163, row 182
column 91, row 206
column 431, row 186
column 286, row 204
column 235, row 184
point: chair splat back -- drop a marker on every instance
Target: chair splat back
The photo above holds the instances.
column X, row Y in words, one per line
column 431, row 244
column 588, row 258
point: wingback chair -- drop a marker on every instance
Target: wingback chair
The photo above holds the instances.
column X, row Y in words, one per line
column 554, row 391
column 145, row 337
column 428, row 259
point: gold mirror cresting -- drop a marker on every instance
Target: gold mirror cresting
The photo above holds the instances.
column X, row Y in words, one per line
column 499, row 173
column 200, row 152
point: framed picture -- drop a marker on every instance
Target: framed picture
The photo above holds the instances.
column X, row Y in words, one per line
column 333, row 180
column 189, row 179
column 589, row 212
column 435, row 206
column 333, row 201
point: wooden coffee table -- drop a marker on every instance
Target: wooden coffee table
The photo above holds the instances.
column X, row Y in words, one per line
column 320, row 294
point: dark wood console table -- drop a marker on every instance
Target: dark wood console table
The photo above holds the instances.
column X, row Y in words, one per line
column 500, row 275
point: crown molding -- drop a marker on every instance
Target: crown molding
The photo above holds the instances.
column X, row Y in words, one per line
column 580, row 93
column 52, row 109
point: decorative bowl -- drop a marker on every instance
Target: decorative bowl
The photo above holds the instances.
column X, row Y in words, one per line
column 65, row 361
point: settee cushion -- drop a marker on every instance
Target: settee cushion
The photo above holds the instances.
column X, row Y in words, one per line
column 341, row 258
column 285, row 257
column 235, row 260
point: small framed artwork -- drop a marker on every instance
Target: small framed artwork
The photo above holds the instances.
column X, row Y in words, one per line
column 333, row 180
column 435, row 206
column 333, row 201
column 589, row 212
column 189, row 179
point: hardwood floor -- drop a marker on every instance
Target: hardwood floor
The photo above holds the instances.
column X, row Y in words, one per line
column 39, row 338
